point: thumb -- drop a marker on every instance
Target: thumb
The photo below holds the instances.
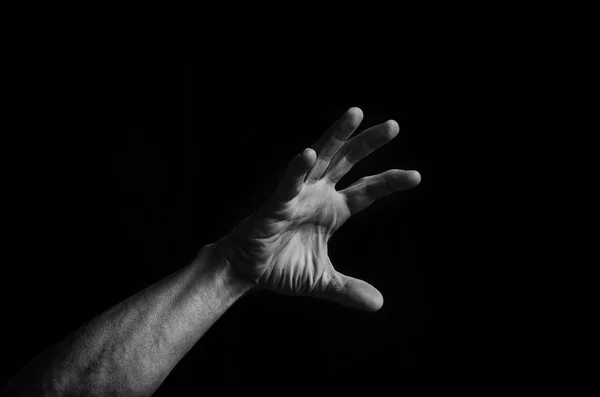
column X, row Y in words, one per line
column 352, row 292
column 293, row 179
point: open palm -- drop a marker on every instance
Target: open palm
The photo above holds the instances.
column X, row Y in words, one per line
column 283, row 246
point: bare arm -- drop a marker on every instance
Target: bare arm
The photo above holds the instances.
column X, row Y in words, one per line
column 130, row 349
column 282, row 247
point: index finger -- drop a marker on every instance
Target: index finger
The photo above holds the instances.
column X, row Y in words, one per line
column 332, row 140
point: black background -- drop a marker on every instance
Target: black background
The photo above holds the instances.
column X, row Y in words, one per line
column 120, row 173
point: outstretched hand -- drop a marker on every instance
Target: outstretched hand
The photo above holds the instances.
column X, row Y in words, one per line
column 283, row 246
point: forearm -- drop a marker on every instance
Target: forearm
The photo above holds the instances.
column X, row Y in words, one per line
column 131, row 348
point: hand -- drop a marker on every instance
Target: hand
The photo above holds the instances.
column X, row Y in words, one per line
column 283, row 246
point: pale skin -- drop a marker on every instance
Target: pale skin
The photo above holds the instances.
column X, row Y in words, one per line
column 130, row 349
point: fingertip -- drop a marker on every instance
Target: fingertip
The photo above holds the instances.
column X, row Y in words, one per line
column 308, row 151
column 376, row 302
column 355, row 110
column 414, row 176
column 393, row 128
column 355, row 115
column 309, row 155
column 363, row 295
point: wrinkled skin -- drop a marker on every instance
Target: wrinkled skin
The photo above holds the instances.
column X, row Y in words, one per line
column 288, row 243
column 283, row 246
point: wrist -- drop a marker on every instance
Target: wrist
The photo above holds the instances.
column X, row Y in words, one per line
column 212, row 263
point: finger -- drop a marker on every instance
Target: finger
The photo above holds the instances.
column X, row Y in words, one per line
column 365, row 191
column 360, row 147
column 352, row 292
column 293, row 179
column 332, row 140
